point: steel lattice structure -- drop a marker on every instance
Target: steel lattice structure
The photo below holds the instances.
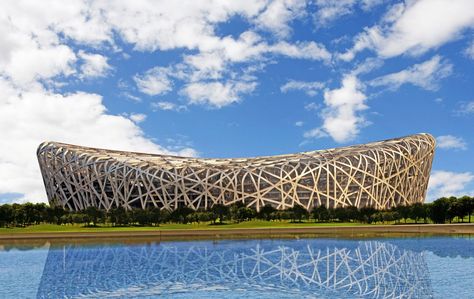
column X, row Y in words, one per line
column 380, row 175
column 321, row 268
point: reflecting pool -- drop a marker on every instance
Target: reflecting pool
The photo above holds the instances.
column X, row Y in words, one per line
column 423, row 267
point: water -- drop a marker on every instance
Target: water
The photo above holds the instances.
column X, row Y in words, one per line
column 428, row 267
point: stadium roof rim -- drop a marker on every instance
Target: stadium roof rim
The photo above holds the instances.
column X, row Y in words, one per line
column 322, row 152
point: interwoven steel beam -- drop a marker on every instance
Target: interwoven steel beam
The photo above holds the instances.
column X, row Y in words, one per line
column 380, row 175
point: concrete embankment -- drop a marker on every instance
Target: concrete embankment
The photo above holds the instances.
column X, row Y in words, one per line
column 223, row 233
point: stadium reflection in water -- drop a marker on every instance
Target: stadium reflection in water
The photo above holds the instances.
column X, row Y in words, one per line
column 316, row 268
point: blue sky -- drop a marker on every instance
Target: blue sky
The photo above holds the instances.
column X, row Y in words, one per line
column 231, row 79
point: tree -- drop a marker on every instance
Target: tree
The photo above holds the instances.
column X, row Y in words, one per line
column 467, row 205
column 244, row 214
column 6, row 215
column 455, row 209
column 181, row 214
column 19, row 215
column 118, row 216
column 220, row 212
column 234, row 210
column 417, row 211
column 439, row 210
column 320, row 214
column 341, row 214
column 94, row 214
column 155, row 216
column 266, row 212
column 366, row 214
column 404, row 211
column 140, row 216
column 297, row 213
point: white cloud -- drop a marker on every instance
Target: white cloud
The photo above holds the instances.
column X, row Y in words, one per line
column 138, row 117
column 299, row 123
column 469, row 51
column 167, row 106
column 341, row 118
column 131, row 97
column 312, row 106
column 302, row 50
column 94, row 65
column 451, row 142
column 415, row 27
column 28, row 118
column 329, row 10
column 425, row 75
column 465, row 108
column 447, row 183
column 278, row 14
column 217, row 94
column 154, row 82
column 315, row 133
column 310, row 88
column 30, row 64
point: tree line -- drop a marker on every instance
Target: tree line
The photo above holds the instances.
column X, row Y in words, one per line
column 440, row 211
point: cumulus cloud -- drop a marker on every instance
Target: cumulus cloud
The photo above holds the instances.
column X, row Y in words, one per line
column 425, row 75
column 341, row 115
column 451, row 142
column 310, row 88
column 28, row 118
column 217, row 94
column 167, row 106
column 465, row 108
column 138, row 117
column 154, row 82
column 299, row 123
column 415, row 27
column 469, row 51
column 447, row 183
column 93, row 65
column 278, row 14
column 329, row 10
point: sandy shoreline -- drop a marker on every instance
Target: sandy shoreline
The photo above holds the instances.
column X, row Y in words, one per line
column 348, row 231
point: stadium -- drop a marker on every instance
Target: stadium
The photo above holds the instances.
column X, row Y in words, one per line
column 380, row 175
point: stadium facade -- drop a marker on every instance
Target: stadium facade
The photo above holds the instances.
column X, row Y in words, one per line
column 380, row 175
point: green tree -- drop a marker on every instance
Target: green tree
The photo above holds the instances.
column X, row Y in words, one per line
column 320, row 214
column 6, row 215
column 155, row 216
column 119, row 216
column 220, row 212
column 297, row 213
column 141, row 216
column 417, row 211
column 366, row 214
column 266, row 212
column 180, row 215
column 467, row 205
column 439, row 210
column 94, row 215
column 244, row 214
column 234, row 210
column 341, row 214
column 19, row 214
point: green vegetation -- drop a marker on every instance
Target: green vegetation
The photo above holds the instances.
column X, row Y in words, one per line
column 30, row 217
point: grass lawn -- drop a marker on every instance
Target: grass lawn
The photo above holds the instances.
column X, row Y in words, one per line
column 247, row 224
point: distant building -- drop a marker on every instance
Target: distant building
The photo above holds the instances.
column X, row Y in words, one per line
column 379, row 175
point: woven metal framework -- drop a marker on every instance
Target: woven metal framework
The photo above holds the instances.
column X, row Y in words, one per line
column 380, row 175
